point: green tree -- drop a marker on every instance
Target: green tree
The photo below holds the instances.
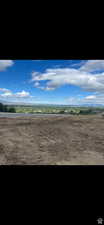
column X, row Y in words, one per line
column 1, row 107
column 12, row 110
column 5, row 108
column 62, row 111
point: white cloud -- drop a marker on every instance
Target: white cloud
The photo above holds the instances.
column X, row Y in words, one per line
column 9, row 94
column 98, row 99
column 22, row 94
column 4, row 90
column 36, row 84
column 4, row 64
column 90, row 97
column 93, row 65
column 81, row 77
column 85, row 100
column 57, row 77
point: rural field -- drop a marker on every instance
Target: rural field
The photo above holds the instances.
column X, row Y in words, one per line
column 61, row 140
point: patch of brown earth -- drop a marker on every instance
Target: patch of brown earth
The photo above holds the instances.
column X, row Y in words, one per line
column 73, row 140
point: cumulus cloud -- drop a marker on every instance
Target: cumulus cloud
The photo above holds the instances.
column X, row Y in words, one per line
column 93, row 65
column 57, row 77
column 36, row 84
column 97, row 99
column 4, row 64
column 4, row 90
column 5, row 93
column 89, row 76
column 22, row 94
column 91, row 99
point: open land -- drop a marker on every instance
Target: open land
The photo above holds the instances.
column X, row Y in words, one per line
column 56, row 140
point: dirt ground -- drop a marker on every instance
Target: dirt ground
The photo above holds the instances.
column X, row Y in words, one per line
column 61, row 140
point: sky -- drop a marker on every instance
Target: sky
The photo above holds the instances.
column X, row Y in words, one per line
column 67, row 82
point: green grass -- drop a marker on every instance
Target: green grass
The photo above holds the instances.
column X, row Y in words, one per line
column 56, row 109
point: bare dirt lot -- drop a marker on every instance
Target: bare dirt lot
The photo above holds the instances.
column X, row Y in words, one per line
column 61, row 140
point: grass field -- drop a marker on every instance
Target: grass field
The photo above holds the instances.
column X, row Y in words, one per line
column 58, row 109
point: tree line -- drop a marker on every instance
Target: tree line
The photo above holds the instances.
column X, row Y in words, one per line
column 5, row 108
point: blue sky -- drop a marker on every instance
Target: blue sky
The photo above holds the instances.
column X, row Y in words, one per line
column 73, row 82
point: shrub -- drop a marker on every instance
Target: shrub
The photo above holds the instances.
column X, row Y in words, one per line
column 12, row 109
column 62, row 111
